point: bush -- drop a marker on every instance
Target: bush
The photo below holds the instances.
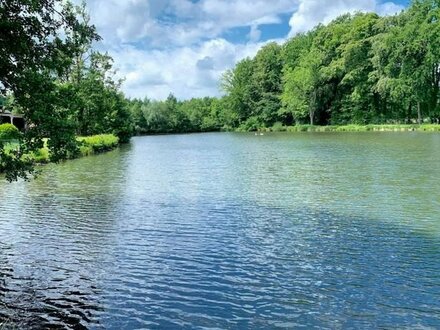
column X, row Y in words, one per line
column 41, row 156
column 278, row 127
column 97, row 143
column 252, row 124
column 9, row 132
column 87, row 146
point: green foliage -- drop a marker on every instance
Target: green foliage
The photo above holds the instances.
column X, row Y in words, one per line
column 37, row 51
column 157, row 118
column 278, row 127
column 87, row 146
column 252, row 124
column 9, row 103
column 359, row 69
column 97, row 143
column 41, row 156
column 61, row 85
column 301, row 87
column 239, row 86
column 9, row 132
column 14, row 164
column 267, row 81
column 171, row 116
column 97, row 104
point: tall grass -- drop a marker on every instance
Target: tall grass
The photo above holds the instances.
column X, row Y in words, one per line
column 88, row 145
column 97, row 143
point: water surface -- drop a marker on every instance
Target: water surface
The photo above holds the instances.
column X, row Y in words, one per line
column 233, row 231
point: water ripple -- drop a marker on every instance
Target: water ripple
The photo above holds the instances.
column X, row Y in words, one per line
column 228, row 232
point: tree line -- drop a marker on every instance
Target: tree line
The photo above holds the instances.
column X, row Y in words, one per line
column 359, row 69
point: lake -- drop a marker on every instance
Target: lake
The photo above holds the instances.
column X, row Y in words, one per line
column 224, row 230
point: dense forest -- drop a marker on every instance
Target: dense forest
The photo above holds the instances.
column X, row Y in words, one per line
column 359, row 69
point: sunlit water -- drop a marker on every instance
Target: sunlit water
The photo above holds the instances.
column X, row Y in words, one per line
column 228, row 231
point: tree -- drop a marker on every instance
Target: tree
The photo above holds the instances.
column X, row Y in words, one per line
column 352, row 64
column 157, row 116
column 97, row 103
column 267, row 77
column 33, row 54
column 301, row 85
column 412, row 69
column 238, row 84
column 135, row 107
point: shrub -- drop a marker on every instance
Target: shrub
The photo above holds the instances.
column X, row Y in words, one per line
column 97, row 143
column 278, row 127
column 9, row 132
column 41, row 156
column 252, row 124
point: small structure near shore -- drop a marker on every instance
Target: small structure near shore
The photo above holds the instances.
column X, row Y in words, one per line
column 7, row 117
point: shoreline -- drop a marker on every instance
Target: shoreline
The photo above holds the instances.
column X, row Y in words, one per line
column 315, row 128
column 351, row 128
column 87, row 146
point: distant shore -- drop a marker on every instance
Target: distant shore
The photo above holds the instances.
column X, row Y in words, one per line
column 316, row 128
column 353, row 128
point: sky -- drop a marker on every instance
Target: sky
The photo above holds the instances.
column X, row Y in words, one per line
column 184, row 46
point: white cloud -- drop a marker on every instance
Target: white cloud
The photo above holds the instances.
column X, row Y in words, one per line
column 254, row 34
column 388, row 8
column 185, row 71
column 177, row 45
column 312, row 12
column 180, row 22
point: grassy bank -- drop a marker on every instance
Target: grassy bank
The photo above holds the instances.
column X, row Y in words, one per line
column 353, row 128
column 97, row 143
column 89, row 145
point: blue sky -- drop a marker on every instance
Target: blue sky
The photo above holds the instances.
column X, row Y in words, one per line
column 184, row 46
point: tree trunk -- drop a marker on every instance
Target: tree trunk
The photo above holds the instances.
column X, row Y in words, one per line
column 312, row 107
column 436, row 87
column 409, row 114
column 419, row 113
